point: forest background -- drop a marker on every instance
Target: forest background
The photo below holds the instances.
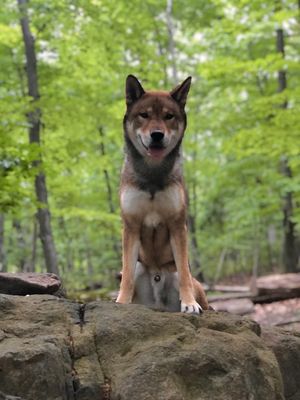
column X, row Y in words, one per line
column 63, row 69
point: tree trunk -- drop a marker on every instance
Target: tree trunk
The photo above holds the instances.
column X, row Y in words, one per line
column 2, row 252
column 34, row 120
column 194, row 245
column 282, row 80
column 271, row 240
column 289, row 250
column 33, row 248
column 220, row 265
column 21, row 246
column 90, row 266
column 195, row 252
column 172, row 49
column 69, row 245
column 111, row 207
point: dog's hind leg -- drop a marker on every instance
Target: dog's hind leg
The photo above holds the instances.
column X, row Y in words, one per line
column 200, row 294
column 143, row 291
column 172, row 291
column 157, row 290
column 160, row 290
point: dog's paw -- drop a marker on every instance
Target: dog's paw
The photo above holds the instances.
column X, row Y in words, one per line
column 123, row 300
column 193, row 308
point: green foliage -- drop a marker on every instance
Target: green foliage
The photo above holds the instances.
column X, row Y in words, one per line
column 237, row 133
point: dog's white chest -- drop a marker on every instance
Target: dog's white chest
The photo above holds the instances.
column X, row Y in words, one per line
column 151, row 210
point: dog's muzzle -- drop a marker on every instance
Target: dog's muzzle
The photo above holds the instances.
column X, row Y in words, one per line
column 157, row 136
column 157, row 140
column 156, row 145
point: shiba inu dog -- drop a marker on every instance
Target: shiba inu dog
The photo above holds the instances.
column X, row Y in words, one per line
column 155, row 268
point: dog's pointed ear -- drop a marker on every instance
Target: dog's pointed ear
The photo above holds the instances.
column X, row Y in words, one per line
column 181, row 91
column 134, row 90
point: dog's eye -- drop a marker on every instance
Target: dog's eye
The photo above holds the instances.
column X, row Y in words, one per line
column 144, row 115
column 169, row 116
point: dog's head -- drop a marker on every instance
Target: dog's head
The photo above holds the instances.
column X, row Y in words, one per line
column 155, row 121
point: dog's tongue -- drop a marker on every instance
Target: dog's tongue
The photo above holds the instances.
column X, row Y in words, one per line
column 156, row 152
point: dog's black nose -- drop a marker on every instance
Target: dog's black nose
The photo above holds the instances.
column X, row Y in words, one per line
column 157, row 136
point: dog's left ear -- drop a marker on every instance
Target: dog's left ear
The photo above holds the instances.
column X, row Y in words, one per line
column 181, row 91
column 134, row 90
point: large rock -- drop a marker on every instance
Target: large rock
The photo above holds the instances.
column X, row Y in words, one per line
column 23, row 283
column 54, row 349
column 286, row 347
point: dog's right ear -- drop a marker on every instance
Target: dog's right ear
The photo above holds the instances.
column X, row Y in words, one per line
column 181, row 91
column 134, row 90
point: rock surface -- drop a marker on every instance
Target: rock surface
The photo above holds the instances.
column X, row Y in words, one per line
column 286, row 347
column 53, row 349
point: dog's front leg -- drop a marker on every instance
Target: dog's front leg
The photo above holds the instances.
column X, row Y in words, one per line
column 131, row 244
column 179, row 244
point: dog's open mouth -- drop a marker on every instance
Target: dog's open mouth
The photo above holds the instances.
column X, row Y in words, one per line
column 156, row 150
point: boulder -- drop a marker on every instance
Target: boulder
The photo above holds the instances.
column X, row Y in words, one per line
column 55, row 349
column 23, row 283
column 286, row 347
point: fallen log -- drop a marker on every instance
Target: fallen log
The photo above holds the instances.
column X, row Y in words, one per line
column 266, row 289
column 229, row 296
column 281, row 284
column 234, row 306
column 229, row 288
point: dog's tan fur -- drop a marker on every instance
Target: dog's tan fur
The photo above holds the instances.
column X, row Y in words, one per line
column 153, row 202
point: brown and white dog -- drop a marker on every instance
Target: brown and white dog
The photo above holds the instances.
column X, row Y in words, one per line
column 156, row 269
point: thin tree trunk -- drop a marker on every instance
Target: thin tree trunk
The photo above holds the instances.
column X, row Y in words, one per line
column 34, row 240
column 289, row 236
column 69, row 245
column 161, row 53
column 111, row 206
column 34, row 120
column 194, row 245
column 106, row 176
column 90, row 266
column 195, row 252
column 282, row 80
column 220, row 265
column 21, row 246
column 289, row 251
column 2, row 252
column 172, row 49
column 255, row 266
column 271, row 239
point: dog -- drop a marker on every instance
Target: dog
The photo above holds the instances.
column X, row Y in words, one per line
column 155, row 270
